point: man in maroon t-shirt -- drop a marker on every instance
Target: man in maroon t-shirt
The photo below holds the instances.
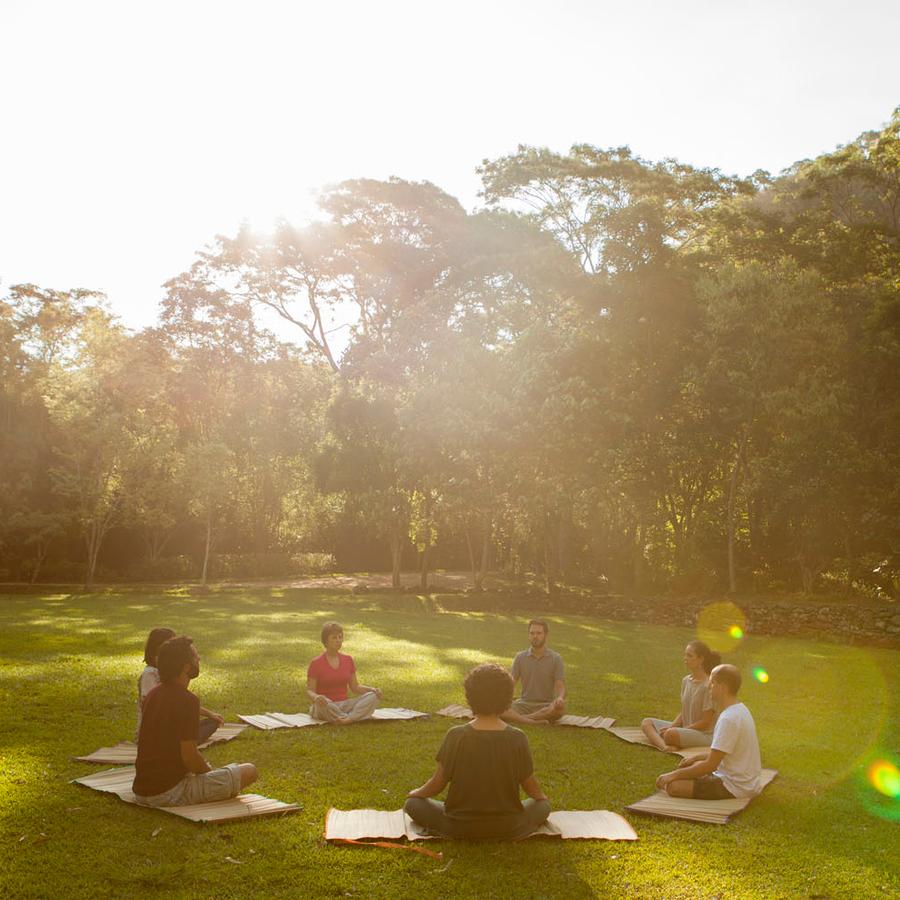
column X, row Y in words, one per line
column 170, row 771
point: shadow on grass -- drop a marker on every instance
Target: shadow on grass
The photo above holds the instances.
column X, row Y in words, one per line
column 68, row 667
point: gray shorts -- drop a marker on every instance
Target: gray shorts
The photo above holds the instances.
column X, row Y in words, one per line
column 219, row 784
column 527, row 707
column 687, row 737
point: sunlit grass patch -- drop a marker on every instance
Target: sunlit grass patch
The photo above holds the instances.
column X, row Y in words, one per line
column 68, row 673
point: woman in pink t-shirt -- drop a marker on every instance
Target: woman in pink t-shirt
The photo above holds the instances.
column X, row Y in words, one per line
column 328, row 678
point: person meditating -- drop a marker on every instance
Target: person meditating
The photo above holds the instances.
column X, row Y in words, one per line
column 543, row 680
column 327, row 679
column 731, row 767
column 170, row 771
column 149, row 679
column 485, row 762
column 693, row 726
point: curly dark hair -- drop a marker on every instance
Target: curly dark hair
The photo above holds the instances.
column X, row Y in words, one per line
column 330, row 628
column 173, row 656
column 489, row 689
column 155, row 640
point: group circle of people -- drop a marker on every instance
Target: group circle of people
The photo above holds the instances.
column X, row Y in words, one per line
column 485, row 762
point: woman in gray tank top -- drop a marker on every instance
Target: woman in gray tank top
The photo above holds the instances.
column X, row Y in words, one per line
column 693, row 726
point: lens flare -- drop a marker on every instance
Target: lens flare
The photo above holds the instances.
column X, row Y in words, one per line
column 885, row 778
column 721, row 625
column 760, row 674
column 878, row 783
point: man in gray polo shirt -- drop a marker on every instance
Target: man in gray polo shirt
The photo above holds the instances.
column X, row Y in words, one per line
column 543, row 680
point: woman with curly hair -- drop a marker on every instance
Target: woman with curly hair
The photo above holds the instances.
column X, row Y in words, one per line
column 485, row 762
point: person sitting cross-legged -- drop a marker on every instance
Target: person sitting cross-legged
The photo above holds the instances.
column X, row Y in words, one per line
column 170, row 770
column 693, row 726
column 485, row 762
column 731, row 767
column 542, row 674
column 149, row 679
column 329, row 676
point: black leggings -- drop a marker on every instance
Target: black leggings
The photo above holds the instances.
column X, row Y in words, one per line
column 431, row 815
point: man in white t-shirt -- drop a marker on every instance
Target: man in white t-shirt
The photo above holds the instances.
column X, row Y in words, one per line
column 731, row 767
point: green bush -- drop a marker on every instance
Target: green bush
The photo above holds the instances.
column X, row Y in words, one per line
column 269, row 565
column 166, row 568
column 313, row 563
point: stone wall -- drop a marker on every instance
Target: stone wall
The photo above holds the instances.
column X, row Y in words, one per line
column 843, row 621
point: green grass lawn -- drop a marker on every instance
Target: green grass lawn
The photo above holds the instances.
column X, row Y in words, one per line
column 68, row 667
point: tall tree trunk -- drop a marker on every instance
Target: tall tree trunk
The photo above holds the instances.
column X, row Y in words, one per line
column 396, row 556
column 423, row 569
column 156, row 541
column 637, row 571
column 564, row 543
column 207, row 547
column 94, row 537
column 551, row 556
column 473, row 568
column 42, row 549
column 485, row 550
column 732, row 514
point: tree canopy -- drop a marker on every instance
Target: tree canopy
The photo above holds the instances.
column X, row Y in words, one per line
column 635, row 374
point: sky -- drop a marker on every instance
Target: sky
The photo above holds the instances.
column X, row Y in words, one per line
column 131, row 134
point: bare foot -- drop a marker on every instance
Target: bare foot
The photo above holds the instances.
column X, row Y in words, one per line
column 538, row 721
column 344, row 721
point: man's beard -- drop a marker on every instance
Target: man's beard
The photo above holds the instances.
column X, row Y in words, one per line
column 194, row 671
column 537, row 643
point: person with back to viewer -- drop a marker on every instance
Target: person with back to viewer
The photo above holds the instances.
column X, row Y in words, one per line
column 149, row 679
column 731, row 767
column 170, row 771
column 542, row 674
column 485, row 762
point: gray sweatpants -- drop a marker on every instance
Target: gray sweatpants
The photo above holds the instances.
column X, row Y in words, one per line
column 353, row 708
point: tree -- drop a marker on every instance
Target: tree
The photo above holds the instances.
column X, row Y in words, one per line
column 94, row 418
column 209, row 476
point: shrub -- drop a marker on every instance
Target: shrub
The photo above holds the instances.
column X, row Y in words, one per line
column 269, row 565
column 166, row 568
column 313, row 563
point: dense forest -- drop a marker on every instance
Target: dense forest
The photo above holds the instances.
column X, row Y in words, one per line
column 641, row 376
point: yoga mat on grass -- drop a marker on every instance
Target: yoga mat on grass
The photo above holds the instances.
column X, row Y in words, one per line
column 359, row 825
column 244, row 806
column 714, row 812
column 270, row 721
column 125, row 752
column 455, row 711
column 634, row 735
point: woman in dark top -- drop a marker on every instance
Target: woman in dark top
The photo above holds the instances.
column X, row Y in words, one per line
column 484, row 762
